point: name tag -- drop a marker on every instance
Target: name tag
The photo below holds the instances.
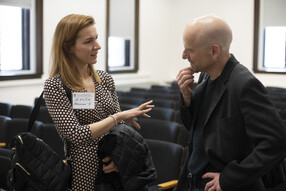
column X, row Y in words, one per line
column 82, row 100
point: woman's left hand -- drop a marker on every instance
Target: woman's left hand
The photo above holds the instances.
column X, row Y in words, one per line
column 110, row 166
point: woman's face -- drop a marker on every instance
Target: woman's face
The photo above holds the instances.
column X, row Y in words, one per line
column 86, row 47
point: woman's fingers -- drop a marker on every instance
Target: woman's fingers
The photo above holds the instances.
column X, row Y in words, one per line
column 135, row 124
column 146, row 115
column 109, row 165
column 146, row 105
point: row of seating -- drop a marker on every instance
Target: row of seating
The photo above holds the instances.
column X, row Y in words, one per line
column 164, row 134
column 150, row 128
column 9, row 127
column 15, row 111
column 162, row 96
column 162, row 144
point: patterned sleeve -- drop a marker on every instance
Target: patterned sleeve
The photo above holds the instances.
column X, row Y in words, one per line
column 108, row 82
column 62, row 113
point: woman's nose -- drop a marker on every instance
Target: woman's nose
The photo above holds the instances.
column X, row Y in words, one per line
column 96, row 45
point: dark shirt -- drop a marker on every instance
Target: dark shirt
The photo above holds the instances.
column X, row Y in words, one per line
column 199, row 162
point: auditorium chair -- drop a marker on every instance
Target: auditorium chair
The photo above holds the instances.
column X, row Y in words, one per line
column 160, row 88
column 44, row 115
column 17, row 125
column 162, row 113
column 277, row 97
column 5, row 165
column 169, row 91
column 178, row 117
column 125, row 106
column 49, row 134
column 3, row 122
column 130, row 100
column 120, row 93
column 165, row 103
column 21, row 111
column 5, row 109
column 137, row 94
column 275, row 90
column 159, row 129
column 168, row 159
column 175, row 86
column 137, row 89
column 161, row 95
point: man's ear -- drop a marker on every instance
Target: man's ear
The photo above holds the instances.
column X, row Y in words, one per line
column 216, row 50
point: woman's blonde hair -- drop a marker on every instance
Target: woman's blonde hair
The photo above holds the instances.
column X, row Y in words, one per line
column 64, row 37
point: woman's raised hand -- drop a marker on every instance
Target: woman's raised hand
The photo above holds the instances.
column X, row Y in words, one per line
column 128, row 115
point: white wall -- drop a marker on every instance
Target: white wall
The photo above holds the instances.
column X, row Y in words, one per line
column 160, row 40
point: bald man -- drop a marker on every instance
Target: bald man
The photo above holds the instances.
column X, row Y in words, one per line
column 236, row 134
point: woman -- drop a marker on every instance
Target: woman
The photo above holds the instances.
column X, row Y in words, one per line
column 94, row 109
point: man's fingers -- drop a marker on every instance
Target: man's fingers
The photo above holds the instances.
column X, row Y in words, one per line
column 106, row 159
column 209, row 175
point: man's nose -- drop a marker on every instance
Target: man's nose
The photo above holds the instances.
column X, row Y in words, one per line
column 184, row 55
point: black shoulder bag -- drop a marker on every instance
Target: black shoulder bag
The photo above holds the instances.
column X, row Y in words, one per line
column 35, row 166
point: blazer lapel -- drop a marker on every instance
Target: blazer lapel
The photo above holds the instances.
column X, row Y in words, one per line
column 220, row 86
column 219, row 90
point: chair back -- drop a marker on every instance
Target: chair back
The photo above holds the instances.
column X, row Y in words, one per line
column 159, row 129
column 162, row 113
column 21, row 111
column 130, row 100
column 3, row 124
column 5, row 109
column 167, row 158
column 44, row 115
column 48, row 133
column 18, row 125
column 165, row 103
column 5, row 165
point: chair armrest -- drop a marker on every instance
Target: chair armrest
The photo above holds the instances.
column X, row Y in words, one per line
column 168, row 185
column 2, row 145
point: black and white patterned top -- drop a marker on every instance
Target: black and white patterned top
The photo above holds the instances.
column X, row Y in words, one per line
column 72, row 125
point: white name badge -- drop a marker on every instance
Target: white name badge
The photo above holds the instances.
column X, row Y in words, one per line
column 82, row 100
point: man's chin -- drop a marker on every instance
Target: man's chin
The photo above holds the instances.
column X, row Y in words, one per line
column 195, row 70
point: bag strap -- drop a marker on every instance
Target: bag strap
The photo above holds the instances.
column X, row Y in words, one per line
column 68, row 92
column 38, row 105
column 36, row 110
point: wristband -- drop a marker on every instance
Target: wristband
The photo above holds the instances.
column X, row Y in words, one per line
column 115, row 121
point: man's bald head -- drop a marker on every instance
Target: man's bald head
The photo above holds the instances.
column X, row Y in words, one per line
column 209, row 30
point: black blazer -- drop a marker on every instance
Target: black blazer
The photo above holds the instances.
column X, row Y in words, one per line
column 244, row 134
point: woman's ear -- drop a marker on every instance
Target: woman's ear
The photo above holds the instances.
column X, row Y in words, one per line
column 67, row 48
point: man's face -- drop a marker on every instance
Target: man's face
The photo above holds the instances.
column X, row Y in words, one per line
column 196, row 51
